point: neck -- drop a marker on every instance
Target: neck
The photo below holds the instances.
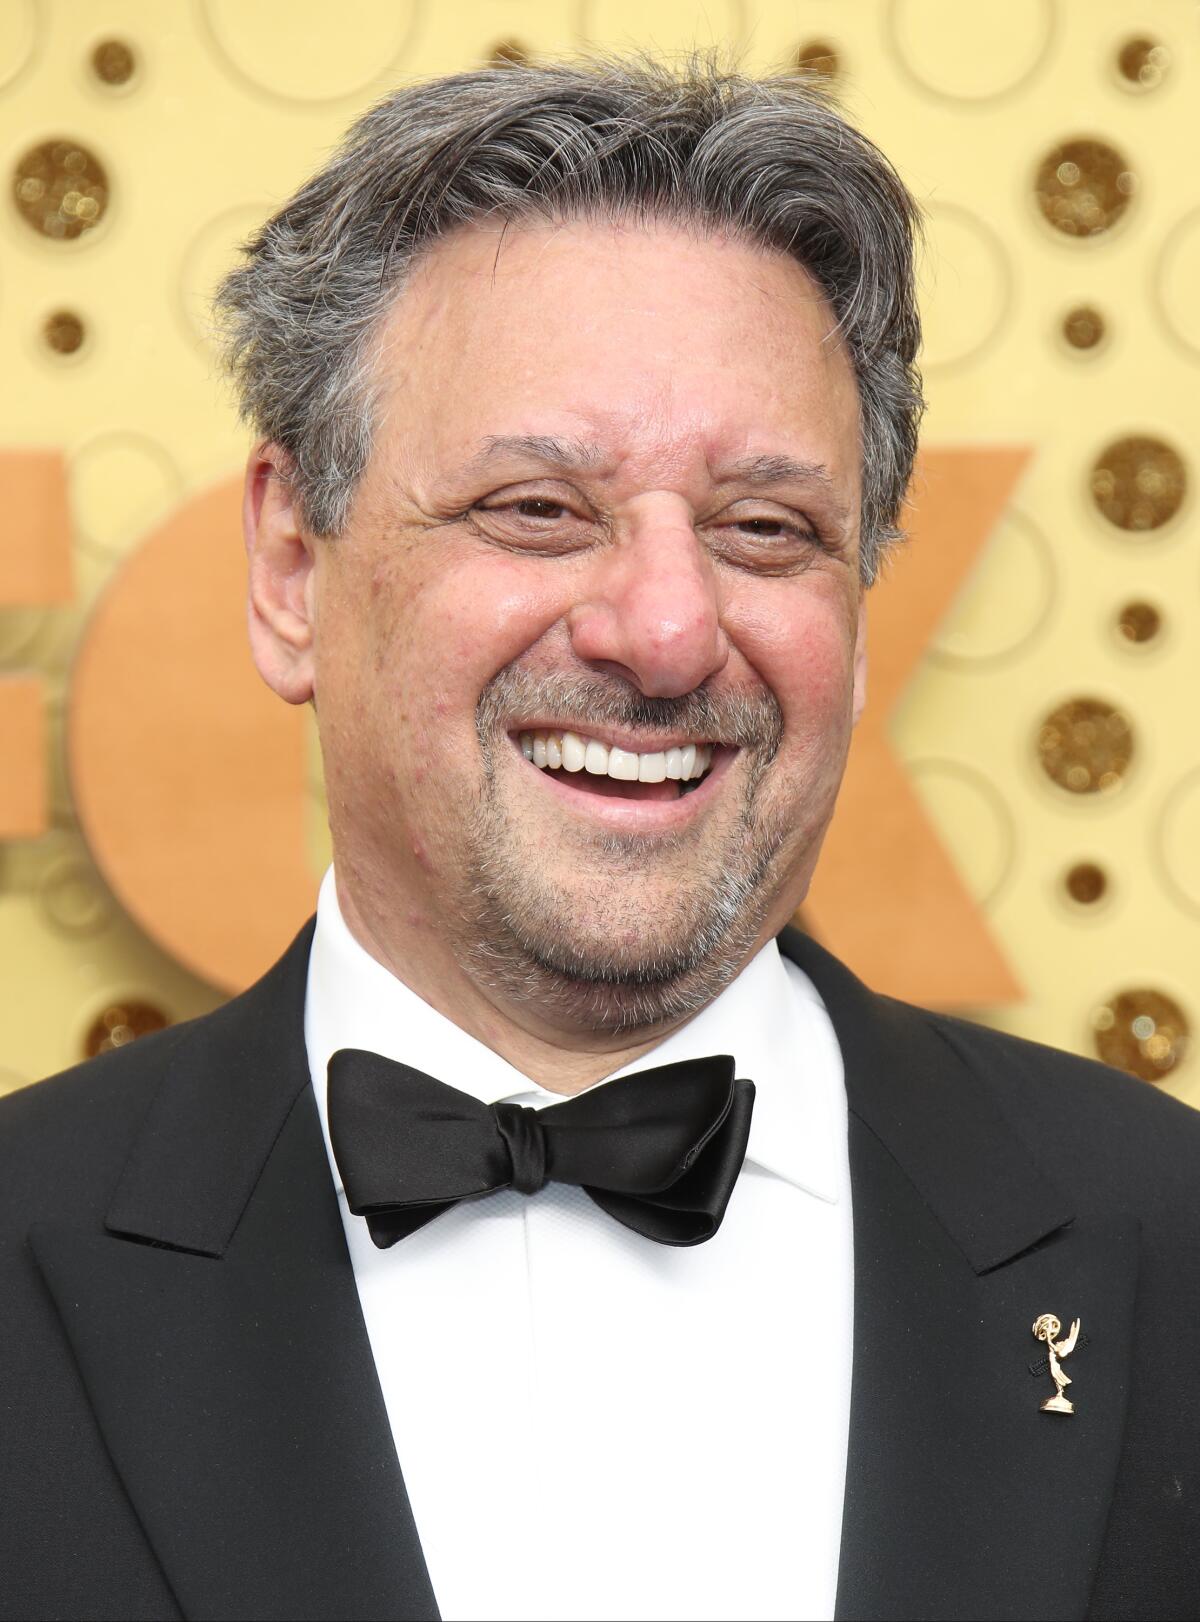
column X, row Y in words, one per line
column 564, row 1061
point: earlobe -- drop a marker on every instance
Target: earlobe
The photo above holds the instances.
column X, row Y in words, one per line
column 281, row 595
column 860, row 662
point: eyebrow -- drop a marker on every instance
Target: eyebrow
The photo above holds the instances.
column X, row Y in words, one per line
column 568, row 454
column 772, row 470
column 778, row 470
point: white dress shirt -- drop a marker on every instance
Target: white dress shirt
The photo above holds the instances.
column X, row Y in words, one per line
column 590, row 1424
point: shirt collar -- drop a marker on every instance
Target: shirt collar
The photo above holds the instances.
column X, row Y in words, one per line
column 771, row 1019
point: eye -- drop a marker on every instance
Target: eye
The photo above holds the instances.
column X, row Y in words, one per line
column 772, row 528
column 535, row 521
column 530, row 511
column 771, row 543
column 536, row 507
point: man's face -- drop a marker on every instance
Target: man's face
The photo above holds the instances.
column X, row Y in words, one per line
column 614, row 494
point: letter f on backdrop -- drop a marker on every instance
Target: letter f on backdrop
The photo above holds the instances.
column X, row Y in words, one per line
column 35, row 571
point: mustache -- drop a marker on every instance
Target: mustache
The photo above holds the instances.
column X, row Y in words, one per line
column 748, row 718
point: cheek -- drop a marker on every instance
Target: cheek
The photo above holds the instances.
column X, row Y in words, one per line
column 439, row 635
column 801, row 644
column 490, row 613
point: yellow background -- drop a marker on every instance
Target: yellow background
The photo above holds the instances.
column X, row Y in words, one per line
column 233, row 102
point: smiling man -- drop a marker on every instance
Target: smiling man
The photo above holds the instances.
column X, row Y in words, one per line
column 587, row 652
column 549, row 1235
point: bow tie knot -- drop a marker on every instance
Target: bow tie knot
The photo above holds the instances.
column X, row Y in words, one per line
column 659, row 1150
column 522, row 1132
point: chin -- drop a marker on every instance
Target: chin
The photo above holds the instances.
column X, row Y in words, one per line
column 636, row 956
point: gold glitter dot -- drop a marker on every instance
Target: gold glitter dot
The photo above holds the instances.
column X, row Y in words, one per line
column 1139, row 622
column 1138, row 483
column 120, row 1024
column 1142, row 1031
column 61, row 189
column 1142, row 63
column 509, row 53
column 818, row 59
column 1086, row 883
column 1083, row 187
column 63, row 332
column 1083, row 328
column 113, row 62
column 1085, row 746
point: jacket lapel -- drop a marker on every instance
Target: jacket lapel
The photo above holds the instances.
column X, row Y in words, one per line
column 218, row 1331
column 963, row 1499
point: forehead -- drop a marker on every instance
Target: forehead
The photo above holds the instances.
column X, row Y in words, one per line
column 636, row 335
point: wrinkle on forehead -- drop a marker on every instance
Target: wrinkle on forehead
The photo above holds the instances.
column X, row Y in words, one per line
column 458, row 272
column 666, row 350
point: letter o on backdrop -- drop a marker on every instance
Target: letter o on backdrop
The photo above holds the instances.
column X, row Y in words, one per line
column 189, row 775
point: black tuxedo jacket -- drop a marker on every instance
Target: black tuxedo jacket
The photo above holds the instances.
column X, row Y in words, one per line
column 191, row 1422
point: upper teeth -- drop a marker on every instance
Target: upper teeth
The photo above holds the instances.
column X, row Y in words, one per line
column 573, row 753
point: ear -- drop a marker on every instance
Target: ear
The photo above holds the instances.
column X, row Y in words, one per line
column 282, row 582
column 860, row 661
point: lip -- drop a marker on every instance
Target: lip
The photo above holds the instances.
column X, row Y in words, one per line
column 641, row 744
column 633, row 816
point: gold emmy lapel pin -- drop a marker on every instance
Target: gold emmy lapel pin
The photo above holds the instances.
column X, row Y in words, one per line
column 1045, row 1328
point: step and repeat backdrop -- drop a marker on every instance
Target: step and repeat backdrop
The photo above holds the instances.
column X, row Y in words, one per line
column 1020, row 832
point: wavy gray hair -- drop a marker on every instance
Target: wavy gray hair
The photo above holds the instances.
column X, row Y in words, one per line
column 769, row 161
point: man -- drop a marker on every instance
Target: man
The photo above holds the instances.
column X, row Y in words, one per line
column 585, row 404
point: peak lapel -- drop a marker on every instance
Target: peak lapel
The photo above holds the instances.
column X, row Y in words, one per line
column 218, row 1332
column 963, row 1499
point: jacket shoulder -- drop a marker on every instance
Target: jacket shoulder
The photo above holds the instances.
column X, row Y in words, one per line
column 1057, row 1077
column 66, row 1138
column 1108, row 1142
column 1109, row 1137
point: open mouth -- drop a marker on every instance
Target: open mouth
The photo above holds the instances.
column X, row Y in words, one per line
column 605, row 769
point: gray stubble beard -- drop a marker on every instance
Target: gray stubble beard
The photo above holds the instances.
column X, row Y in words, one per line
column 523, row 949
column 520, row 943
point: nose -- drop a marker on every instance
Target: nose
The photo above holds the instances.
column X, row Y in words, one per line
column 652, row 610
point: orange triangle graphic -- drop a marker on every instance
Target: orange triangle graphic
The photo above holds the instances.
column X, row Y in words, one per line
column 887, row 897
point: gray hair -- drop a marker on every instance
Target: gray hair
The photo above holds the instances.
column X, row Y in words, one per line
column 768, row 161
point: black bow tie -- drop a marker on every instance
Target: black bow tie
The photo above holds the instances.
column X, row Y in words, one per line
column 659, row 1150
